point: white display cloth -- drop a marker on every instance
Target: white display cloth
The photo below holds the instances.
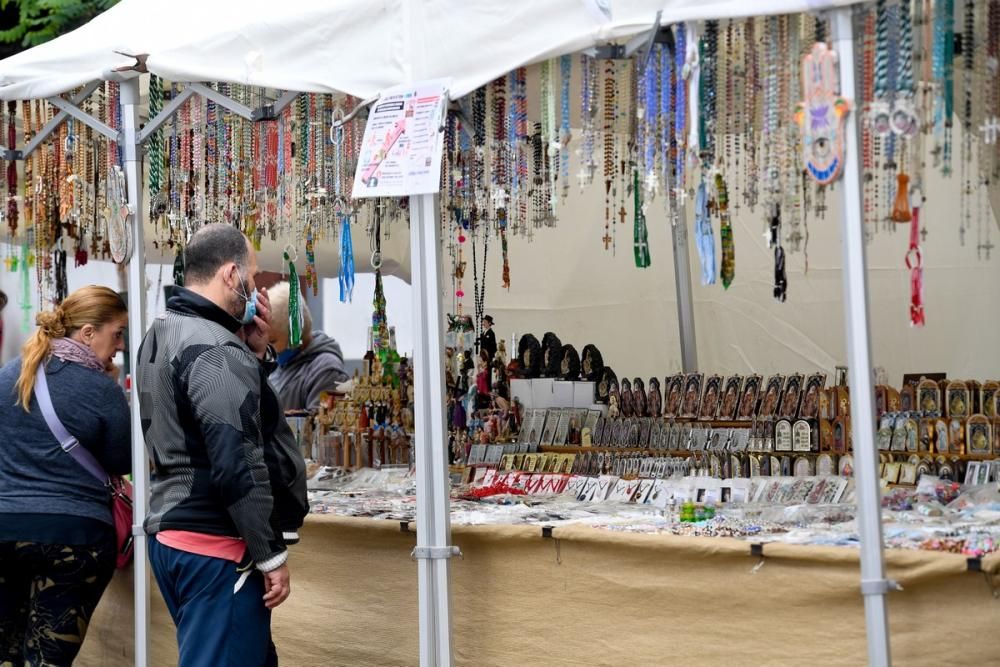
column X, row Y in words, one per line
column 353, row 46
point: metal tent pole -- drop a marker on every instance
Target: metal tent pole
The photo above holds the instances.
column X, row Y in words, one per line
column 137, row 316
column 874, row 585
column 433, row 549
column 685, row 299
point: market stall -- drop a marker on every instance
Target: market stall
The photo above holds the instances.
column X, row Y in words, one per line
column 530, row 208
column 589, row 596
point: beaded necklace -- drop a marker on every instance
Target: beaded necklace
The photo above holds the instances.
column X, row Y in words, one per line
column 565, row 73
column 588, row 118
column 608, row 111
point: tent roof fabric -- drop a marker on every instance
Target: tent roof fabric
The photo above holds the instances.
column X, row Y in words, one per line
column 359, row 47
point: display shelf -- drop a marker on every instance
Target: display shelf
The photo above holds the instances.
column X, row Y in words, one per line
column 574, row 449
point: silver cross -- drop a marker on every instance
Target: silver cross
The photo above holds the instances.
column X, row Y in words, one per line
column 990, row 129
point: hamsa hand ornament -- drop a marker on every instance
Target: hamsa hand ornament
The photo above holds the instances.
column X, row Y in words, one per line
column 822, row 115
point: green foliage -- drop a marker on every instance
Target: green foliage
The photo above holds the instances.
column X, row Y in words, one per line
column 39, row 21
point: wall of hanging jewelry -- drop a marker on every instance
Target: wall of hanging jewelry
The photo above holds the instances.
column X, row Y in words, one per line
column 706, row 109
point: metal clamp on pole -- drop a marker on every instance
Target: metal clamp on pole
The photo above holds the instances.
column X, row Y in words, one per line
column 879, row 586
column 435, row 553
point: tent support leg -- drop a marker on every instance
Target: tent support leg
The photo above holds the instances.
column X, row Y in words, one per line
column 685, row 299
column 430, row 437
column 137, row 317
column 873, row 582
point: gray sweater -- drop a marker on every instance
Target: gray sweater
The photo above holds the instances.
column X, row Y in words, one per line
column 317, row 368
column 36, row 476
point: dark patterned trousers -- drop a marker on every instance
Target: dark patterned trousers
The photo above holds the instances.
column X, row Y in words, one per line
column 47, row 595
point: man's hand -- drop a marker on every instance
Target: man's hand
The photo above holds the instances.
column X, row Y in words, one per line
column 277, row 586
column 258, row 332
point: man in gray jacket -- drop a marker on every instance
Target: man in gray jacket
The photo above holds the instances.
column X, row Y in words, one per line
column 218, row 560
column 309, row 369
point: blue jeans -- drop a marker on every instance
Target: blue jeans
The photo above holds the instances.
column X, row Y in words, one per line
column 215, row 626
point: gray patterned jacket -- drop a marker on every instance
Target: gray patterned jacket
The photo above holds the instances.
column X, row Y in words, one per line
column 199, row 391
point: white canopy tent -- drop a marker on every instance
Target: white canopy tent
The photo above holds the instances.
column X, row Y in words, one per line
column 361, row 47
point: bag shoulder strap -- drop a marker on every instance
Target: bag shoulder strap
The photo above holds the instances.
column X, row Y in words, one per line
column 69, row 444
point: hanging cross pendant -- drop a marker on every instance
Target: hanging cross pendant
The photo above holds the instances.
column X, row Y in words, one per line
column 607, row 240
column 990, row 129
column 984, row 248
column 923, row 234
column 681, row 195
column 622, row 213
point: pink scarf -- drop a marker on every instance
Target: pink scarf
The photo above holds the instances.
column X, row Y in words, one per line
column 73, row 351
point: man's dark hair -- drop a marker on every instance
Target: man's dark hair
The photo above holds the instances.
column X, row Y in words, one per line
column 211, row 247
column 3, row 300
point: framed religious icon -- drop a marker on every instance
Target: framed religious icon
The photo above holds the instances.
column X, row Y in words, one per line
column 710, row 399
column 825, row 435
column 971, row 472
column 826, row 466
column 747, row 409
column 803, row 467
column 942, row 444
column 597, row 433
column 730, row 398
column 569, row 363
column 886, row 423
column 788, row 408
column 979, row 435
column 958, row 400
column 783, row 436
column 845, row 466
column 987, row 397
column 770, row 403
column 627, row 404
column 928, row 396
column 602, row 389
column 673, row 394
column 631, row 431
column 899, row 434
column 841, row 434
column 692, row 396
column 925, row 437
column 639, row 398
column 907, row 473
column 565, row 423
column 655, row 426
column 552, row 417
column 912, row 427
column 908, row 398
column 654, row 399
column 891, row 473
column 815, row 385
column 617, row 436
column 956, row 436
column 645, row 424
column 592, row 420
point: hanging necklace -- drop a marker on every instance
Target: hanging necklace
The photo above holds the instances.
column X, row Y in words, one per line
column 725, row 233
column 608, row 111
column 566, row 72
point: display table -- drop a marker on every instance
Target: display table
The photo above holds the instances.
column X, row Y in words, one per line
column 595, row 597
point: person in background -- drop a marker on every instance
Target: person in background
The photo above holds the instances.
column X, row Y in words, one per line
column 57, row 535
column 305, row 371
column 219, row 562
